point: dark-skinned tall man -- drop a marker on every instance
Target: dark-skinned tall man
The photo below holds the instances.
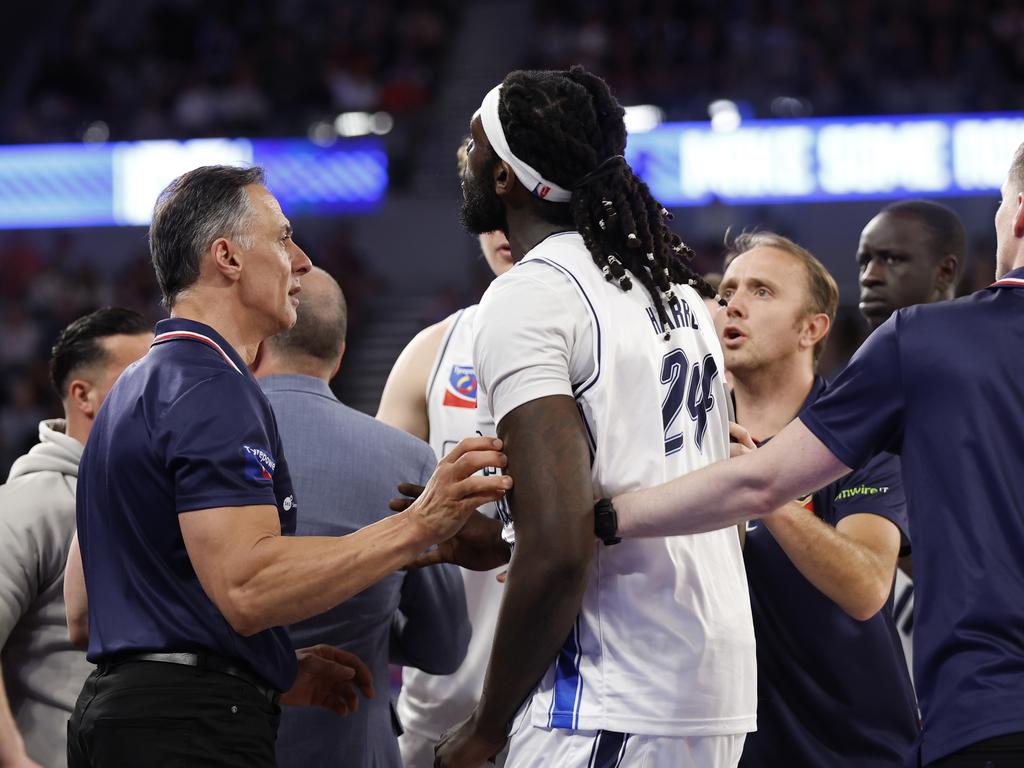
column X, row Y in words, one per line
column 911, row 253
column 599, row 363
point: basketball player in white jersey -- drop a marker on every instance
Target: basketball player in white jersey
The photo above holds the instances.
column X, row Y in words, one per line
column 600, row 364
column 432, row 394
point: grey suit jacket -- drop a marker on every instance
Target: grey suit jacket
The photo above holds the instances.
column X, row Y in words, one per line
column 344, row 467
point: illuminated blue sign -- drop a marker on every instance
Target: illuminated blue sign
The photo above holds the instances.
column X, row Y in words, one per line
column 79, row 185
column 776, row 161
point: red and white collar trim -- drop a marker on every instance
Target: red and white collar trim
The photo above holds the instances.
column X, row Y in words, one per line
column 193, row 336
column 1009, row 282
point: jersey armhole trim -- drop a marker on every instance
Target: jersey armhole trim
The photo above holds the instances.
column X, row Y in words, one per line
column 440, row 355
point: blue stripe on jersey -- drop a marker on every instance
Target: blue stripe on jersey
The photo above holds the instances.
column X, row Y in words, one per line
column 608, row 749
column 597, row 325
column 565, row 699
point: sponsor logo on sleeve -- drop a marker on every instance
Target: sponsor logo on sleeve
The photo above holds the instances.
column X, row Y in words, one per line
column 460, row 390
column 259, row 465
column 861, row 490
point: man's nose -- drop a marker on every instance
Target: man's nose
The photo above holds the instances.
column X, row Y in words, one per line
column 872, row 274
column 735, row 307
column 301, row 263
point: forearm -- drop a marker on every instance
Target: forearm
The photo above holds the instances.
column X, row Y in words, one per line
column 258, row 578
column 431, row 629
column 726, row 493
column 792, row 465
column 534, row 622
column 849, row 573
column 290, row 578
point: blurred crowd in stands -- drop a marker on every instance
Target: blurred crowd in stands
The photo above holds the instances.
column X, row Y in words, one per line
column 157, row 69
column 792, row 58
column 192, row 68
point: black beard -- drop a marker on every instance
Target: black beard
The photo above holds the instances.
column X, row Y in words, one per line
column 482, row 210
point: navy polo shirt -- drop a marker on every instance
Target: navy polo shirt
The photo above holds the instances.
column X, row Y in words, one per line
column 185, row 428
column 943, row 386
column 831, row 690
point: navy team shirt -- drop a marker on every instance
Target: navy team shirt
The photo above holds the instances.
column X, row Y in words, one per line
column 943, row 386
column 831, row 690
column 185, row 428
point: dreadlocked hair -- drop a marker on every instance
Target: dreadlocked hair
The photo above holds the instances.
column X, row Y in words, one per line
column 568, row 126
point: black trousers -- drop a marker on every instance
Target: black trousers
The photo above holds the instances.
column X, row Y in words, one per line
column 1000, row 752
column 147, row 714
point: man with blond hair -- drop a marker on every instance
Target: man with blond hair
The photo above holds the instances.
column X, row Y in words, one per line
column 832, row 684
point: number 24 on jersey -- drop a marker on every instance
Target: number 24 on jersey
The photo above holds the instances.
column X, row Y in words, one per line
column 688, row 385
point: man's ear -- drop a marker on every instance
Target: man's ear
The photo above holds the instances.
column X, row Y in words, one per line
column 1018, row 216
column 815, row 329
column 945, row 275
column 504, row 178
column 227, row 258
column 81, row 397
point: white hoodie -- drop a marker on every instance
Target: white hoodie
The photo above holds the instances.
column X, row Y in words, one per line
column 43, row 673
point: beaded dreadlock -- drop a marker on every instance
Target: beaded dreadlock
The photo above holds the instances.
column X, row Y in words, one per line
column 569, row 127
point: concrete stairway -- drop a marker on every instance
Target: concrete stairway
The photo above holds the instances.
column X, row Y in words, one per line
column 492, row 40
column 371, row 355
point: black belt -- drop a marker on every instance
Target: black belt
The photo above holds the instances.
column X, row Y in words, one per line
column 205, row 661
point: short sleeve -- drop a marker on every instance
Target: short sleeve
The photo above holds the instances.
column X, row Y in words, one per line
column 862, row 412
column 532, row 337
column 875, row 489
column 219, row 447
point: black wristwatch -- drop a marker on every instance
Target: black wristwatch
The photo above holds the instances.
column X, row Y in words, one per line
column 606, row 522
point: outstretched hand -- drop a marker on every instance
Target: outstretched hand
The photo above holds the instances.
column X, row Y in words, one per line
column 477, row 546
column 454, row 491
column 328, row 677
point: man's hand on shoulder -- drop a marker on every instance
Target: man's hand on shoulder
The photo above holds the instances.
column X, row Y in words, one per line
column 328, row 677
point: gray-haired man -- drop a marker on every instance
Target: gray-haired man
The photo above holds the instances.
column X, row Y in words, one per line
column 185, row 503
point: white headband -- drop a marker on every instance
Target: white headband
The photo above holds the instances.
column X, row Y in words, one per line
column 528, row 176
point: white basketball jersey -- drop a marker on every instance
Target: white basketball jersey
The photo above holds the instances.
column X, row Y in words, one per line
column 664, row 642
column 429, row 704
